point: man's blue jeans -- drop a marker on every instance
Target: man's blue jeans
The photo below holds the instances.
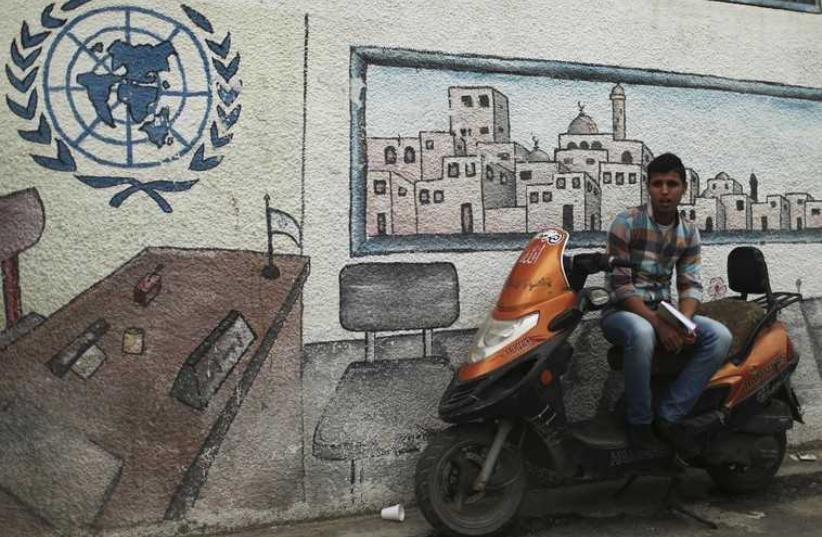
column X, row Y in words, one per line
column 637, row 338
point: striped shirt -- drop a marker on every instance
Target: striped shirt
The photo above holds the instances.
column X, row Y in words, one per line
column 653, row 253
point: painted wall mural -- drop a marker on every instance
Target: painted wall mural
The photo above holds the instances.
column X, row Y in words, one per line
column 215, row 354
column 509, row 147
column 126, row 89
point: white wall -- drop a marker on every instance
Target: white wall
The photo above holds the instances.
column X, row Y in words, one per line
column 85, row 239
column 693, row 36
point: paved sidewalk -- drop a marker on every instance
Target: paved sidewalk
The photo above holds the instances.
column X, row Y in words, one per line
column 793, row 505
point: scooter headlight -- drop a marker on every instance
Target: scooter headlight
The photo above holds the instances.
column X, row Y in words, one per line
column 494, row 334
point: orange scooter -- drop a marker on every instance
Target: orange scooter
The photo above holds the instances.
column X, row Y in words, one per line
column 506, row 401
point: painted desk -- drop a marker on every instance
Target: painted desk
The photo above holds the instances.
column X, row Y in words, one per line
column 117, row 449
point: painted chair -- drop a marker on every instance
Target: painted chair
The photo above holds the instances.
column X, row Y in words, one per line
column 22, row 219
column 388, row 406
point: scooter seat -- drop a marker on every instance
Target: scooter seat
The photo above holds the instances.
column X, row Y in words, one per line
column 741, row 318
column 664, row 364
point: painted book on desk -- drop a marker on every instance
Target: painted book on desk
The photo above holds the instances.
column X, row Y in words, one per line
column 676, row 318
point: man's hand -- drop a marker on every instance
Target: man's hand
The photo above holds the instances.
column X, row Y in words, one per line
column 671, row 338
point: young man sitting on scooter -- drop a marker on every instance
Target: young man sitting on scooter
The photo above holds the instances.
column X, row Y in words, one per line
column 656, row 240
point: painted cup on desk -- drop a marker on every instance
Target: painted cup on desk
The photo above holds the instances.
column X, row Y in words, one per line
column 133, row 340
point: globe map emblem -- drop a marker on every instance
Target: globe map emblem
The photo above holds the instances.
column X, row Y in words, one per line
column 128, row 87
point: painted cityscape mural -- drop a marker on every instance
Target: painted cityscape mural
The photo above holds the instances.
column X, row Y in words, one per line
column 468, row 153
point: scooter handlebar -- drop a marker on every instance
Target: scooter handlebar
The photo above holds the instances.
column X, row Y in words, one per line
column 597, row 262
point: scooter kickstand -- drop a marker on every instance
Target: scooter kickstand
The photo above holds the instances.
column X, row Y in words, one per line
column 625, row 486
column 673, row 506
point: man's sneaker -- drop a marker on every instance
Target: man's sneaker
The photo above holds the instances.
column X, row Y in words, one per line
column 642, row 437
column 676, row 435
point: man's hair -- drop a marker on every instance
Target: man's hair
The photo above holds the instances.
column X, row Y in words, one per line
column 667, row 162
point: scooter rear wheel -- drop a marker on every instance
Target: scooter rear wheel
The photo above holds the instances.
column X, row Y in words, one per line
column 742, row 479
column 444, row 479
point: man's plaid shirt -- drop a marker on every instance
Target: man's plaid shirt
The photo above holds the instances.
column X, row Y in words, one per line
column 653, row 253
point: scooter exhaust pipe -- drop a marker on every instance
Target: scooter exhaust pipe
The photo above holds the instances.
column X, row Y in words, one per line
column 505, row 427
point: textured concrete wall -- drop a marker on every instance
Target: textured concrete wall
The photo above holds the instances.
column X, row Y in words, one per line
column 277, row 92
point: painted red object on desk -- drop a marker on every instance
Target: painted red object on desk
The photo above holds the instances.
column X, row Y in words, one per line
column 148, row 287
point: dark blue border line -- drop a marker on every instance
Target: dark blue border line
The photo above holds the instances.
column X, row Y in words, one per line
column 778, row 4
column 362, row 57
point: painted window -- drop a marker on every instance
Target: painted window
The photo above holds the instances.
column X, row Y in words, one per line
column 815, row 212
column 503, row 178
column 379, row 187
column 590, row 161
column 583, row 145
column 773, row 205
column 696, row 86
column 424, row 197
column 429, row 144
column 575, row 182
column 438, row 196
column 632, row 178
column 470, row 169
column 606, row 178
column 620, row 178
column 483, row 130
column 525, row 175
column 489, row 172
column 401, row 191
column 467, row 101
column 504, row 156
column 693, row 214
column 546, row 197
column 390, row 155
column 453, row 169
column 740, row 205
column 534, row 197
column 627, row 158
column 410, row 155
column 588, row 187
column 808, row 6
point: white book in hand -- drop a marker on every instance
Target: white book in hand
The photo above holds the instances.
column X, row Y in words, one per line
column 676, row 317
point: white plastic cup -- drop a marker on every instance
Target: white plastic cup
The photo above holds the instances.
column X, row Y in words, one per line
column 395, row 512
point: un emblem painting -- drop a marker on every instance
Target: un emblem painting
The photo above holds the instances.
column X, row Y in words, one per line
column 149, row 97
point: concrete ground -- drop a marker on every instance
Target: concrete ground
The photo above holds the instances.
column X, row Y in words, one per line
column 791, row 506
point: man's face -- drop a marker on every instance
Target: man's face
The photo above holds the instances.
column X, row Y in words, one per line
column 666, row 190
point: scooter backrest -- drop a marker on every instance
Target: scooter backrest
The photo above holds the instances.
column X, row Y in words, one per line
column 748, row 272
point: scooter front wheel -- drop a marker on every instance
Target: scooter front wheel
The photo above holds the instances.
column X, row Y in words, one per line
column 444, row 482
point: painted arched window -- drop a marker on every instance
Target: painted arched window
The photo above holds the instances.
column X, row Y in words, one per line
column 410, row 155
column 583, row 145
column 572, row 145
column 596, row 145
column 693, row 214
column 390, row 155
column 627, row 158
column 489, row 172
